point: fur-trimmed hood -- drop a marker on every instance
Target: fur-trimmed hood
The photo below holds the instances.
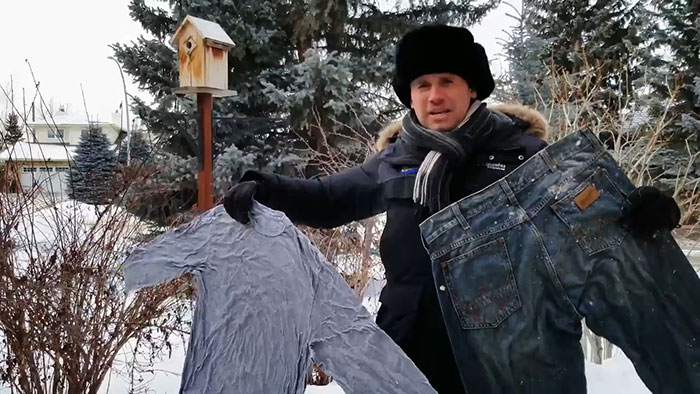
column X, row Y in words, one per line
column 538, row 124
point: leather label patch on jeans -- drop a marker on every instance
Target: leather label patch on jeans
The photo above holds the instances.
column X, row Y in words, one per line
column 587, row 197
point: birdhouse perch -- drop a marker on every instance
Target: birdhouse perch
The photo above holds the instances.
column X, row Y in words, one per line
column 202, row 48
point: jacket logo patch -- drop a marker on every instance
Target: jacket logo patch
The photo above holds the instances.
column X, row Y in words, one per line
column 495, row 166
column 587, row 197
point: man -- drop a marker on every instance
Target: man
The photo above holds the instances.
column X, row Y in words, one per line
column 448, row 146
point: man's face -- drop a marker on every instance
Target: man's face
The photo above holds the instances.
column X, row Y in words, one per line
column 441, row 101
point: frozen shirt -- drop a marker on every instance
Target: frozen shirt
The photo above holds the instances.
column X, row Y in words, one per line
column 268, row 306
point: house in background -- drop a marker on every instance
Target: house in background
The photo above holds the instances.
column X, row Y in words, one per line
column 67, row 128
column 43, row 157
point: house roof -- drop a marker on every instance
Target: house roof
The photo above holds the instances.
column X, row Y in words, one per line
column 29, row 151
column 68, row 119
column 207, row 29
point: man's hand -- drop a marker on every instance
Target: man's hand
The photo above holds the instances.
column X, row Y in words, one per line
column 239, row 201
column 648, row 211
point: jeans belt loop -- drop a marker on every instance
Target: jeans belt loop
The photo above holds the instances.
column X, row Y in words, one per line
column 548, row 160
column 460, row 218
column 508, row 191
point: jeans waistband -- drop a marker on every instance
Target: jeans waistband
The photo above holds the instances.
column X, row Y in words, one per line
column 582, row 145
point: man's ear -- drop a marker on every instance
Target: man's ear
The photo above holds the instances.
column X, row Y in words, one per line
column 472, row 93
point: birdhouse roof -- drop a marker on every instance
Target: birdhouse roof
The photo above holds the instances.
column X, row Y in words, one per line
column 206, row 29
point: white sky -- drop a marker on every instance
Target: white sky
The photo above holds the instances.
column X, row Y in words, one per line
column 67, row 41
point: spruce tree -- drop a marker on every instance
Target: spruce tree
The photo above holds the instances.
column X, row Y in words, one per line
column 602, row 37
column 680, row 35
column 140, row 148
column 524, row 50
column 91, row 177
column 673, row 71
column 13, row 132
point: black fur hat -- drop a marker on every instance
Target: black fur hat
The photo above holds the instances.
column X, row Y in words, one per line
column 441, row 49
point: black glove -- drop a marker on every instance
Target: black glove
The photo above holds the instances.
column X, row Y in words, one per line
column 239, row 200
column 648, row 211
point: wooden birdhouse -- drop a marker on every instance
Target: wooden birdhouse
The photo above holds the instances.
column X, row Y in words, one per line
column 202, row 48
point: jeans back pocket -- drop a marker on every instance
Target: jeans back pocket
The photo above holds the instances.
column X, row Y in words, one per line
column 482, row 285
column 591, row 211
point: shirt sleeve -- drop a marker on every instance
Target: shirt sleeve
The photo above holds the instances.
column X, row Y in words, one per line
column 173, row 254
column 347, row 342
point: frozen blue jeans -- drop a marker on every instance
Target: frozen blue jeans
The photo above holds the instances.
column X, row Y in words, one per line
column 519, row 264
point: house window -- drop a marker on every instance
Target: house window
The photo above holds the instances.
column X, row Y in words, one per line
column 45, row 169
column 27, row 170
column 85, row 132
column 56, row 134
column 62, row 169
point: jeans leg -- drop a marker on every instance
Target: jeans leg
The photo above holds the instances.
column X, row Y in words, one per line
column 646, row 300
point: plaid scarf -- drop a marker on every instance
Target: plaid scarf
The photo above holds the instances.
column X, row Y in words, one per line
column 439, row 153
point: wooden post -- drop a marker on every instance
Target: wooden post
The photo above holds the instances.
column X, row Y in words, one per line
column 202, row 48
column 205, row 199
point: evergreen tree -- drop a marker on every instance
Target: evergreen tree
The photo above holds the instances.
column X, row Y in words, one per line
column 140, row 148
column 523, row 49
column 13, row 132
column 604, row 37
column 680, row 35
column 300, row 68
column 91, row 177
column 629, row 46
column 562, row 24
column 673, row 71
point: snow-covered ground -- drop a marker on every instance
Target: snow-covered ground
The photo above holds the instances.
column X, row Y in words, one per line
column 615, row 376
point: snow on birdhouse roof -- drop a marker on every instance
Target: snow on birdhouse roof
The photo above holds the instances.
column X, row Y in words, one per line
column 207, row 29
column 29, row 151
